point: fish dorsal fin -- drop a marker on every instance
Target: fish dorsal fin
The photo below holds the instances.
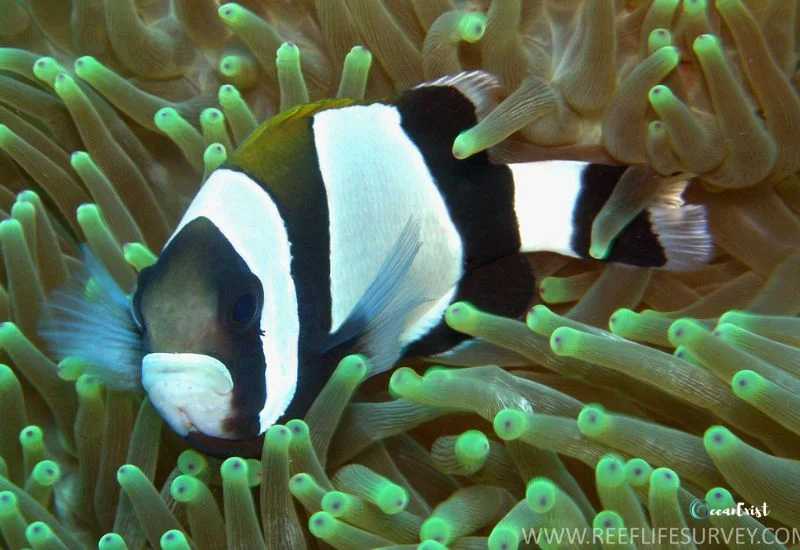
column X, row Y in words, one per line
column 376, row 322
column 298, row 112
column 482, row 89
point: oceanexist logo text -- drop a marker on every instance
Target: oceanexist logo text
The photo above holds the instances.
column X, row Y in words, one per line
column 699, row 509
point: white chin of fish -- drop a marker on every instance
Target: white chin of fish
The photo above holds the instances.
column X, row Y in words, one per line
column 192, row 392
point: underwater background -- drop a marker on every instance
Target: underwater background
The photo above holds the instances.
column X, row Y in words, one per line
column 635, row 401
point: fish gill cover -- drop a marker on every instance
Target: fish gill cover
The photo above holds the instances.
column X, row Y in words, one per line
column 641, row 399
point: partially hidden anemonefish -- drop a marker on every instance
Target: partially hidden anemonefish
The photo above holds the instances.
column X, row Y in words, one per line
column 343, row 227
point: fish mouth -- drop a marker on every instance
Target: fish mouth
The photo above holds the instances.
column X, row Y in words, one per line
column 192, row 392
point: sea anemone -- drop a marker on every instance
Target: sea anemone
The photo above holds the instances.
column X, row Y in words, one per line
column 633, row 402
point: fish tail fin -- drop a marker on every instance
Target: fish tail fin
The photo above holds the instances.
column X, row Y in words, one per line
column 557, row 204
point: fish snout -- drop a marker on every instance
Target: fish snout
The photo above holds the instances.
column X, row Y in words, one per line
column 192, row 392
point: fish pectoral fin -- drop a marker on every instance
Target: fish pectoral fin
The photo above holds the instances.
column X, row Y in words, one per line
column 376, row 322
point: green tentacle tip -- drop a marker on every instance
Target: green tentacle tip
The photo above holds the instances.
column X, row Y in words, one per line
column 300, row 483
column 637, row 472
column 167, row 119
column 656, row 130
column 323, row 525
column 211, row 116
column 660, row 96
column 72, row 369
column 564, row 341
column 436, row 529
column 671, row 55
column 230, row 66
column 46, row 473
column 231, row 12
column 707, row 45
column 288, row 53
column 234, row 469
column 9, row 329
column 30, row 436
column 184, row 488
column 598, row 251
column 86, row 66
column 391, row 498
column 623, row 321
column 472, row 445
column 29, row 196
column 138, row 255
column 22, row 210
column 504, row 537
column 607, row 522
column 174, row 540
column 431, row 545
column 7, row 377
column 213, row 157
column 685, row 331
column 192, row 463
column 726, row 330
column 6, row 135
column 472, row 26
column 719, row 498
column 87, row 386
column 610, row 471
column 228, row 95
column 698, row 6
column 46, row 69
column 466, row 144
column 40, row 535
column 337, row 503
column 65, row 86
column 129, row 475
column 277, row 438
column 10, row 229
column 8, row 505
column 592, row 421
column 734, row 317
column 664, row 480
column 510, row 424
column 111, row 541
column 299, row 430
column 81, row 160
column 405, row 382
column 747, row 384
column 358, row 59
column 719, row 441
column 658, row 39
column 353, row 368
column 541, row 495
column 535, row 319
column 462, row 316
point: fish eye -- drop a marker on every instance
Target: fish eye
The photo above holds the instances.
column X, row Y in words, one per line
column 244, row 308
column 241, row 305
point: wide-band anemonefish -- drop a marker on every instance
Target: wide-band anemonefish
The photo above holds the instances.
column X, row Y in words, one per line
column 343, row 227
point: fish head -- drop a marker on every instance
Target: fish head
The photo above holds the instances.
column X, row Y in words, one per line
column 199, row 309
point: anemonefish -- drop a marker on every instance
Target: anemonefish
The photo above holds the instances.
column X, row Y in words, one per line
column 344, row 227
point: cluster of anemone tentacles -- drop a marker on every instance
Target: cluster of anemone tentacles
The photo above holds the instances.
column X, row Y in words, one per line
column 635, row 393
